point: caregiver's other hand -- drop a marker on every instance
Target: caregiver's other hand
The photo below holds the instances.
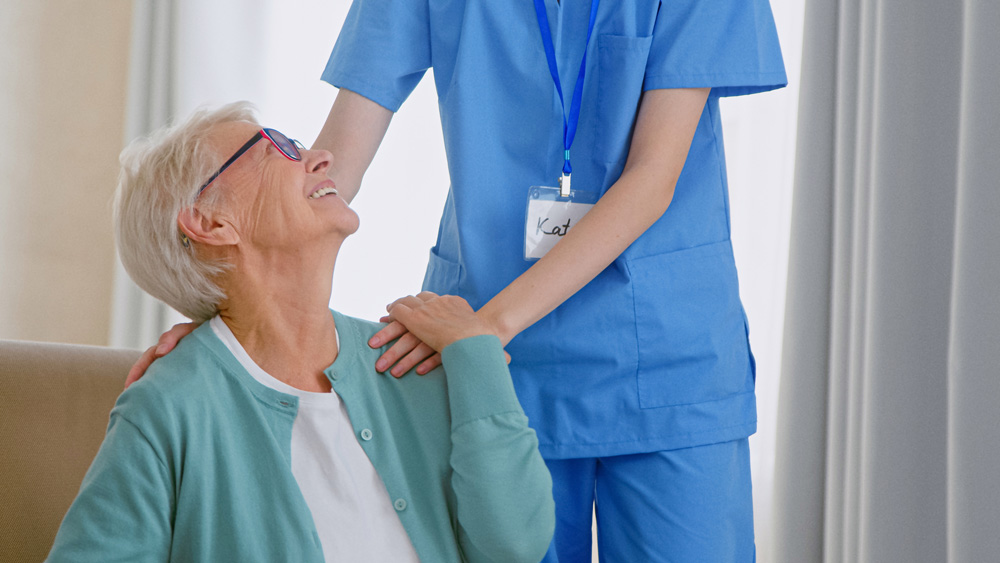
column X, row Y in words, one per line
column 438, row 321
column 408, row 351
column 163, row 346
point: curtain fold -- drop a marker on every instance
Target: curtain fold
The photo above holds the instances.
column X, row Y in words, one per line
column 974, row 348
column 892, row 289
column 137, row 319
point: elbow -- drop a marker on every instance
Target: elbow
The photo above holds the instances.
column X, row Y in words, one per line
column 663, row 193
column 535, row 536
column 542, row 531
column 652, row 187
column 529, row 537
column 536, row 526
column 522, row 537
column 518, row 530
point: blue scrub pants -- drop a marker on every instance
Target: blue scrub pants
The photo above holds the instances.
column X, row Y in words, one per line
column 683, row 506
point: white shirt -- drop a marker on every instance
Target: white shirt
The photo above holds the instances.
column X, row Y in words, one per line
column 349, row 503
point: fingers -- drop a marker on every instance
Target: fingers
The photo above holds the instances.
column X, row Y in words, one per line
column 406, row 344
column 429, row 364
column 168, row 340
column 411, row 300
column 507, row 356
column 394, row 330
column 417, row 355
column 384, row 335
column 433, row 317
column 408, row 350
column 140, row 366
column 401, row 311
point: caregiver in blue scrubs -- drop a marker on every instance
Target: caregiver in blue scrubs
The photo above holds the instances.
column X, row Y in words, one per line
column 594, row 124
column 628, row 339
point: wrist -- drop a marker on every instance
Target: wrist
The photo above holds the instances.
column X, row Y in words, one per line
column 498, row 324
column 458, row 337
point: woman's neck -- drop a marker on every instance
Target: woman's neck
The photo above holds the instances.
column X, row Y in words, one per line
column 279, row 312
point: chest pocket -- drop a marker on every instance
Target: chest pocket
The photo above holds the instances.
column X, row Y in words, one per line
column 621, row 69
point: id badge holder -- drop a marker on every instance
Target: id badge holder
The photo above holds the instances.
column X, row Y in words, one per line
column 550, row 214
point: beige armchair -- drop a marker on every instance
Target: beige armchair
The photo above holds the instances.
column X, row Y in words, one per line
column 54, row 405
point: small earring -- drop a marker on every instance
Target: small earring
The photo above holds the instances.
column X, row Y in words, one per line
column 185, row 241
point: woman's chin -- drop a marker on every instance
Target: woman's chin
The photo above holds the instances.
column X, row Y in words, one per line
column 349, row 225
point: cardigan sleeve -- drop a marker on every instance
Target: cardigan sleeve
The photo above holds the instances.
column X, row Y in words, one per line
column 503, row 489
column 123, row 510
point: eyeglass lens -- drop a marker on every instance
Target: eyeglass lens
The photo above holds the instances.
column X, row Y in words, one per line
column 284, row 144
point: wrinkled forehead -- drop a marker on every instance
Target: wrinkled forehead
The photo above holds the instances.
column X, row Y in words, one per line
column 227, row 138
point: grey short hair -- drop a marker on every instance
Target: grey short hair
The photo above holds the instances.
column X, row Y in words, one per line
column 160, row 176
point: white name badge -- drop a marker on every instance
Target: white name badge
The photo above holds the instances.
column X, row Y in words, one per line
column 550, row 216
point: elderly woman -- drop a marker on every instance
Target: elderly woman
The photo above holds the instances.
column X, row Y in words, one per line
column 267, row 435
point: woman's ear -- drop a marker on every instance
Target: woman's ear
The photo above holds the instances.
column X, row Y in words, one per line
column 205, row 228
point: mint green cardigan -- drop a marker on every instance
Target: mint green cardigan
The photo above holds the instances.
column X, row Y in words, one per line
column 195, row 465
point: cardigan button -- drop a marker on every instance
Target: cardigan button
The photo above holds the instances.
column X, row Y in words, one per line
column 399, row 505
column 366, row 434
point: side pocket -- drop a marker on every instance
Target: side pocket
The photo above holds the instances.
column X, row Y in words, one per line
column 753, row 360
column 621, row 70
column 690, row 327
column 443, row 276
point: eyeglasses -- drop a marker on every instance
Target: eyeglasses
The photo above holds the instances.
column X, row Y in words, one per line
column 288, row 147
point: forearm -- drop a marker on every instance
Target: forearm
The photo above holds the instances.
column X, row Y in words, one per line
column 665, row 124
column 353, row 132
column 626, row 211
column 502, row 488
column 503, row 491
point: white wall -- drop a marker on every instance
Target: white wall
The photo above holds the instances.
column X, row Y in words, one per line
column 405, row 188
column 760, row 157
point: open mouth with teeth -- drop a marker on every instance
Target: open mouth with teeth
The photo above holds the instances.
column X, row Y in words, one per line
column 322, row 192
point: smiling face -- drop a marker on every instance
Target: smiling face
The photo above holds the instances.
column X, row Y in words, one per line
column 273, row 202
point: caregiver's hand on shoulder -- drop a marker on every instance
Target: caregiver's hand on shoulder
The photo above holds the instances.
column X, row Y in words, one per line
column 439, row 321
column 163, row 346
column 408, row 350
column 436, row 322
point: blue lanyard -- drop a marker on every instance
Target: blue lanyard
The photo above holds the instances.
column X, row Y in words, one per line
column 570, row 123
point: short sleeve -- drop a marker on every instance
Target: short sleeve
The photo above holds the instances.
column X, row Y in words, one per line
column 728, row 45
column 383, row 50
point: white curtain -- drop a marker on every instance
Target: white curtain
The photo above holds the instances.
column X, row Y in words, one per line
column 184, row 54
column 887, row 442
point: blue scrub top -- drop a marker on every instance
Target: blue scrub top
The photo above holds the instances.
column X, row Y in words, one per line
column 653, row 353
